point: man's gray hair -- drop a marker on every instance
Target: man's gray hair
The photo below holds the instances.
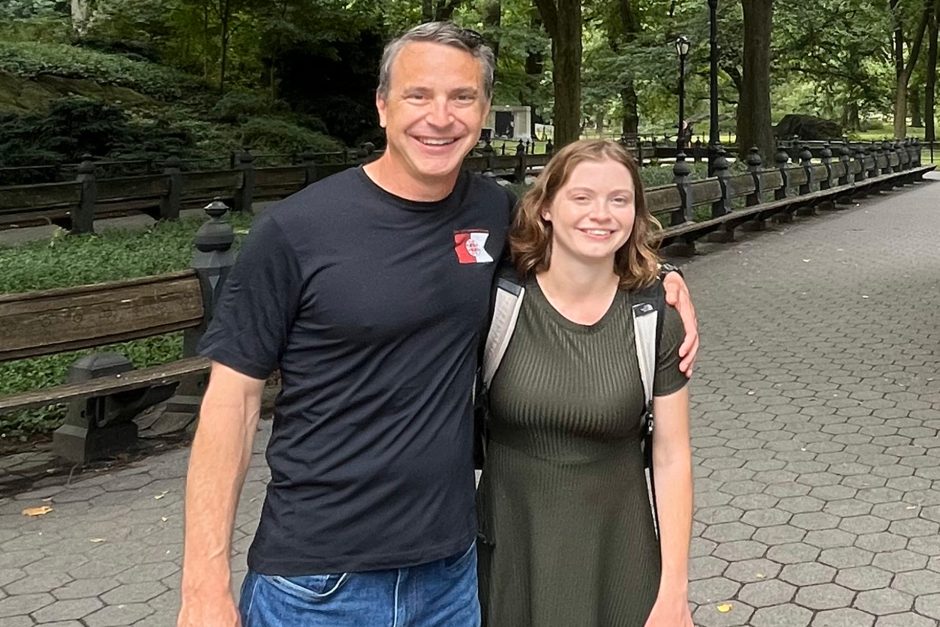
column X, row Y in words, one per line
column 448, row 34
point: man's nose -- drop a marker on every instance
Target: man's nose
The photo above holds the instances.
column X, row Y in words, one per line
column 440, row 114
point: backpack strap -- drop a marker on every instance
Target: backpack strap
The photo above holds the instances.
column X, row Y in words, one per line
column 507, row 304
column 648, row 312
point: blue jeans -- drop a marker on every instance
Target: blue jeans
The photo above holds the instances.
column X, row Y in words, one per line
column 442, row 593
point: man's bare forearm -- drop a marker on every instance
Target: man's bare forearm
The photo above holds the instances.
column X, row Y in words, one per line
column 220, row 455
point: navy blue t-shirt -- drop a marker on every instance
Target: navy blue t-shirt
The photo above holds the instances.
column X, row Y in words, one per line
column 371, row 306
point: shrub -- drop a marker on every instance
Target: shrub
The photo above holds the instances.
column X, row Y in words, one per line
column 281, row 136
column 30, row 59
column 237, row 106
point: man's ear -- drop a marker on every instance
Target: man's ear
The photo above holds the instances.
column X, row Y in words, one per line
column 381, row 106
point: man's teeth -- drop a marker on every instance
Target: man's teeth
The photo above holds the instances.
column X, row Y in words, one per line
column 436, row 142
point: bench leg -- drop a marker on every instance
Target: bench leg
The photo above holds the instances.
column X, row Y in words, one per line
column 102, row 426
column 680, row 249
column 724, row 235
column 754, row 225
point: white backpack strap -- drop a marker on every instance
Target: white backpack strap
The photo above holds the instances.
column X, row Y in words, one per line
column 645, row 319
column 506, row 309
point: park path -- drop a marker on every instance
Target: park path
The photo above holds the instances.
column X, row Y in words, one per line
column 815, row 433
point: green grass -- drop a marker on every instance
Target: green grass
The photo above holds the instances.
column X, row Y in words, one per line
column 77, row 260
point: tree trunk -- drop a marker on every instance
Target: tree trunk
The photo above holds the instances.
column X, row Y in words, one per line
column 931, row 83
column 629, row 28
column 631, row 116
column 914, row 99
column 492, row 19
column 904, row 70
column 81, row 14
column 562, row 19
column 753, row 117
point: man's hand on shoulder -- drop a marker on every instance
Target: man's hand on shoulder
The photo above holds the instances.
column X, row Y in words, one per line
column 677, row 295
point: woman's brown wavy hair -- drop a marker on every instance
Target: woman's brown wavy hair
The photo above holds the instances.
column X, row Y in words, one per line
column 530, row 239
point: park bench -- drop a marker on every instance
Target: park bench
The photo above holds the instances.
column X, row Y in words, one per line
column 104, row 391
column 798, row 188
column 76, row 204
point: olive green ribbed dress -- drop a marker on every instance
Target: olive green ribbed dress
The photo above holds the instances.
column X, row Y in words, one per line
column 566, row 534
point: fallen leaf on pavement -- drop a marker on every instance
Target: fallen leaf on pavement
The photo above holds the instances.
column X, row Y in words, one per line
column 724, row 608
column 96, row 540
column 161, row 495
column 42, row 510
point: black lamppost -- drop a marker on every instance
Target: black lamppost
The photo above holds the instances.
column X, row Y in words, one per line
column 713, row 139
column 682, row 49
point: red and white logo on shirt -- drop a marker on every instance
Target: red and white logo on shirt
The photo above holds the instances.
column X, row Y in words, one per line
column 470, row 246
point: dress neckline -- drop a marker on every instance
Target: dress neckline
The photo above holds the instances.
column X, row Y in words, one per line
column 535, row 291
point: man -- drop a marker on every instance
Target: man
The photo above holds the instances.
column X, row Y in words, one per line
column 368, row 290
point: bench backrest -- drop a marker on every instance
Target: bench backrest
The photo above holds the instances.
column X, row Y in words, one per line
column 57, row 320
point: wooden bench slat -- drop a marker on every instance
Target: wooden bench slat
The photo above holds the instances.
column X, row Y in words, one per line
column 740, row 185
column 53, row 321
column 663, row 199
column 131, row 380
column 706, row 192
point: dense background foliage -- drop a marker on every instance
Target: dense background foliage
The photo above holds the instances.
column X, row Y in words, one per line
column 202, row 77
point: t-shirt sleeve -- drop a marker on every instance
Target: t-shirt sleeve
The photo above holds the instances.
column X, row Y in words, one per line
column 258, row 304
column 669, row 378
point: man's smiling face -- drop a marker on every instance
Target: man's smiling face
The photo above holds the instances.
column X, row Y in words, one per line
column 432, row 114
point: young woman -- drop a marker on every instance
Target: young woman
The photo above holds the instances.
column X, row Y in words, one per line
column 567, row 537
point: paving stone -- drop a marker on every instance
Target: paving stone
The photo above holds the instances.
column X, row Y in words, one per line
column 709, row 616
column 826, row 596
column 38, row 583
column 864, row 578
column 900, row 561
column 906, row 619
column 739, row 550
column 848, row 507
column 712, row 590
column 115, row 615
column 914, row 527
column 747, row 571
column 788, row 615
column 925, row 545
column 918, row 582
column 133, row 593
column 829, row 538
column 766, row 593
column 24, row 604
column 9, row 575
column 881, row 542
column 807, row 573
column 842, row 617
column 779, row 534
column 73, row 609
column 846, row 557
column 706, row 566
column 885, row 601
column 728, row 532
column 815, row 520
column 928, row 605
column 793, row 553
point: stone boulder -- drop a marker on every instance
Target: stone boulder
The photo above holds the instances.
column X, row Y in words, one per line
column 807, row 127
